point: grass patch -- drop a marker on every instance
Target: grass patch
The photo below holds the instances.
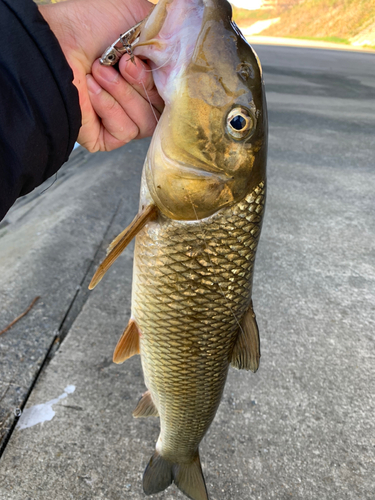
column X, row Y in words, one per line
column 329, row 20
column 245, row 17
column 329, row 39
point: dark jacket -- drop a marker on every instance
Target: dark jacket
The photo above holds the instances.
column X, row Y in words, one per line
column 39, row 109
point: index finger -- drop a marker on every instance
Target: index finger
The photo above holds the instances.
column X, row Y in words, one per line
column 139, row 74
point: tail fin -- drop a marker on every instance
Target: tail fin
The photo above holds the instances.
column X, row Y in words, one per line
column 160, row 473
column 189, row 479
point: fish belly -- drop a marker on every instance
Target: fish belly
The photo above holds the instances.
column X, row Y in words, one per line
column 191, row 287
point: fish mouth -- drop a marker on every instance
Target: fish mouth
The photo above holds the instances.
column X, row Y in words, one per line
column 168, row 39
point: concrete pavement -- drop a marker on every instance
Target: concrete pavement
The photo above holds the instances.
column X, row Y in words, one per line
column 302, row 427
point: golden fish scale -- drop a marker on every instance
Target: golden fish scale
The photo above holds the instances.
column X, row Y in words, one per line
column 192, row 284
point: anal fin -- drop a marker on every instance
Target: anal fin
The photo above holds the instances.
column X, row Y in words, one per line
column 146, row 407
column 246, row 352
column 119, row 244
column 128, row 345
column 188, row 477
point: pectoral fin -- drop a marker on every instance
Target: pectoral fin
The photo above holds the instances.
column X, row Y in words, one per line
column 246, row 352
column 146, row 407
column 119, row 244
column 128, row 345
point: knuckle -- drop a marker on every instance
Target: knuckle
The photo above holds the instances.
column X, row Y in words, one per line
column 126, row 135
column 132, row 132
column 112, row 105
column 149, row 130
column 91, row 148
column 127, row 91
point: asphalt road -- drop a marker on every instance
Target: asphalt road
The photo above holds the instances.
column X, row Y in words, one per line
column 302, row 427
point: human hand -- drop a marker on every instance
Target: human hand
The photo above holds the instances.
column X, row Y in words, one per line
column 126, row 104
column 115, row 107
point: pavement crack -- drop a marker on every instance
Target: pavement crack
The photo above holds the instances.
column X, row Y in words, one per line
column 75, row 307
column 8, row 432
column 82, row 292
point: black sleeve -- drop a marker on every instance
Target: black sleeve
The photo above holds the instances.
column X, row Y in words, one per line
column 39, row 108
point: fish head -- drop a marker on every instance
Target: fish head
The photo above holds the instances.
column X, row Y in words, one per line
column 209, row 148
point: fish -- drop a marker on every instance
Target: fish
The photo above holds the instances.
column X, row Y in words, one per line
column 196, row 233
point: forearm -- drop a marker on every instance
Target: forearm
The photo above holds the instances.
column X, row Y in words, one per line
column 41, row 53
column 39, row 110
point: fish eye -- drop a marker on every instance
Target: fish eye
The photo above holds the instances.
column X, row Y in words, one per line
column 240, row 123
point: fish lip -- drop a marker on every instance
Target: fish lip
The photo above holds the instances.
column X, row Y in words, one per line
column 191, row 171
column 177, row 186
column 194, row 169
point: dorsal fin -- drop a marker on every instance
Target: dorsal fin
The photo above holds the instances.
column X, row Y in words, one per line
column 246, row 352
column 119, row 244
column 128, row 345
column 146, row 407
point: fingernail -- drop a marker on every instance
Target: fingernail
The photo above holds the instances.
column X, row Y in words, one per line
column 109, row 74
column 134, row 69
column 92, row 85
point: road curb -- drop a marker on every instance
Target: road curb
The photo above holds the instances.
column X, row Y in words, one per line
column 311, row 44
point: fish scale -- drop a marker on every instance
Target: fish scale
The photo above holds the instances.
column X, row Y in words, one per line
column 188, row 300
